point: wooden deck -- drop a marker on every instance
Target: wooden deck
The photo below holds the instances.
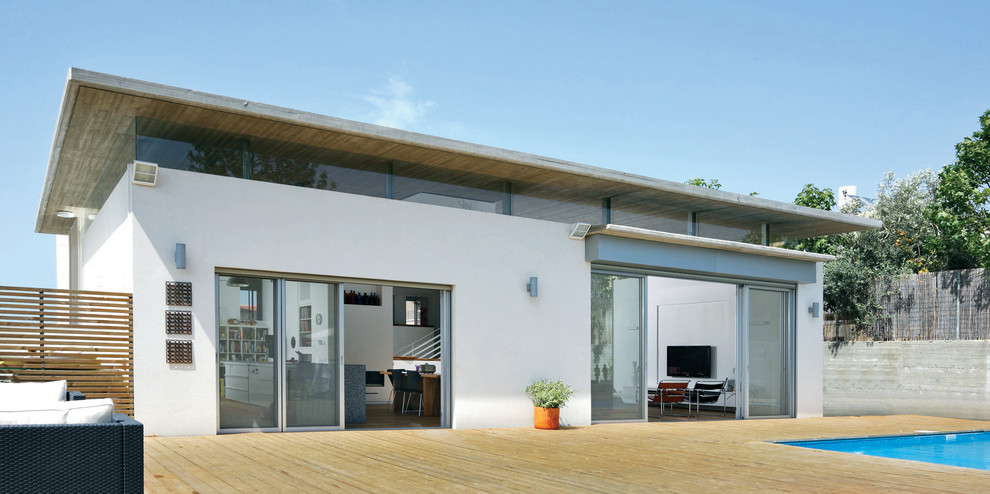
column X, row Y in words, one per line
column 729, row 456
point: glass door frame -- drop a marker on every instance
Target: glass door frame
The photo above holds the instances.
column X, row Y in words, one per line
column 446, row 396
column 788, row 346
column 643, row 352
column 278, row 329
column 339, row 342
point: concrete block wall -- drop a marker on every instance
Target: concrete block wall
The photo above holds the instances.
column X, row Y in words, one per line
column 936, row 378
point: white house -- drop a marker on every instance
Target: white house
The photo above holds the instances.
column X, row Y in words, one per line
column 302, row 247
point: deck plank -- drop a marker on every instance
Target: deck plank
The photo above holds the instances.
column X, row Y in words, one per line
column 633, row 457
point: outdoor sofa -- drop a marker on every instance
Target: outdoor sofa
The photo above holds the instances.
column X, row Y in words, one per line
column 51, row 445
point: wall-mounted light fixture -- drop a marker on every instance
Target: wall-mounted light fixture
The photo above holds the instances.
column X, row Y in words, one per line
column 180, row 256
column 531, row 286
column 579, row 230
column 814, row 309
column 65, row 213
column 145, row 174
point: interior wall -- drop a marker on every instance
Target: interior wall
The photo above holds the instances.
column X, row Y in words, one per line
column 368, row 338
column 690, row 312
column 431, row 307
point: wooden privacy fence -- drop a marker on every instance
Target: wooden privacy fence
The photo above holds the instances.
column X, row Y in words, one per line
column 84, row 337
column 945, row 305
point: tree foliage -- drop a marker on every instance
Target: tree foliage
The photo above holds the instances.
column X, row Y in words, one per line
column 230, row 162
column 813, row 197
column 859, row 278
column 959, row 210
column 708, row 184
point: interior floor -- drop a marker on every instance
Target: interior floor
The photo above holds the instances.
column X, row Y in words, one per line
column 679, row 414
column 238, row 414
column 380, row 416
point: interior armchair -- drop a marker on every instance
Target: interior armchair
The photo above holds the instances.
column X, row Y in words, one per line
column 670, row 392
column 707, row 392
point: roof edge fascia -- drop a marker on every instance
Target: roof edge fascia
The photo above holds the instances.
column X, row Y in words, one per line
column 61, row 128
column 706, row 243
column 80, row 77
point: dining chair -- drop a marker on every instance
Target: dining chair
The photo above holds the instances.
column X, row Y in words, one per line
column 412, row 384
column 395, row 378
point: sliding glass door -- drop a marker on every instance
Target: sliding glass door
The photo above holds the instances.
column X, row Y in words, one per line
column 617, row 347
column 767, row 343
column 312, row 356
column 278, row 352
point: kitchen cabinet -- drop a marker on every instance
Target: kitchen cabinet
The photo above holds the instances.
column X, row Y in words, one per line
column 248, row 382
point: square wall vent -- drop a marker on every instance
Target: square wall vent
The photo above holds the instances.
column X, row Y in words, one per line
column 145, row 174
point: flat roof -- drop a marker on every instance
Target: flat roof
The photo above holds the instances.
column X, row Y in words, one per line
column 98, row 111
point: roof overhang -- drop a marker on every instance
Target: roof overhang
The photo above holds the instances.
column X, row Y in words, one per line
column 636, row 248
column 98, row 112
column 707, row 243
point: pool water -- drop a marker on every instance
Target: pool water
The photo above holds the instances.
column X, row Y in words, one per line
column 962, row 449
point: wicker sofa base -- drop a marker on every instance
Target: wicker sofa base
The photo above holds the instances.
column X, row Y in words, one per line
column 77, row 458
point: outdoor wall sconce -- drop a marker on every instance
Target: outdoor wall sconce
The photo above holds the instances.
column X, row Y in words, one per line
column 579, row 230
column 531, row 286
column 814, row 310
column 180, row 256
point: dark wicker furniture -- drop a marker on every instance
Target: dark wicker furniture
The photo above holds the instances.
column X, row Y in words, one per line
column 77, row 458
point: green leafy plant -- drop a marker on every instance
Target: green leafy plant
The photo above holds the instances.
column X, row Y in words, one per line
column 549, row 394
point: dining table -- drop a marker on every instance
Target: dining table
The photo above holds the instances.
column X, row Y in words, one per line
column 431, row 394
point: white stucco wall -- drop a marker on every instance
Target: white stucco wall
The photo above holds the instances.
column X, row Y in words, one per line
column 62, row 266
column 502, row 338
column 106, row 256
column 809, row 347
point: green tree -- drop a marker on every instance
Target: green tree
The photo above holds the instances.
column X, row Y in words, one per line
column 813, row 197
column 959, row 210
column 708, row 184
column 229, row 162
column 858, row 280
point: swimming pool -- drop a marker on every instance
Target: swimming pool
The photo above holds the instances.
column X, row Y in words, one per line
column 962, row 449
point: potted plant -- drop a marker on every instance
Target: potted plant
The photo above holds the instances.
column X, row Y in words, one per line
column 548, row 396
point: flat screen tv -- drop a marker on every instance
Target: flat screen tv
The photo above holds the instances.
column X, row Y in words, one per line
column 689, row 361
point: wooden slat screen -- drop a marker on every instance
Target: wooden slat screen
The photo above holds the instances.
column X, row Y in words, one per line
column 84, row 337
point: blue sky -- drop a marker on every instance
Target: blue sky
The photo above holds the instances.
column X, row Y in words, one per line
column 764, row 96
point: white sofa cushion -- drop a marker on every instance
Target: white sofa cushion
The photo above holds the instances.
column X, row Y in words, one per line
column 66, row 412
column 33, row 417
column 29, row 393
column 98, row 411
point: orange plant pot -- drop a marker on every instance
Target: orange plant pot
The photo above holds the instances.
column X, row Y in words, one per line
column 546, row 418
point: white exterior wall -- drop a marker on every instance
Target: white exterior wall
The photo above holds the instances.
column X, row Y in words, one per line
column 501, row 339
column 62, row 267
column 809, row 347
column 107, row 261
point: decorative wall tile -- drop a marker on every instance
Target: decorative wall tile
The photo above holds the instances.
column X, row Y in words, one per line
column 178, row 293
column 178, row 352
column 178, row 322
